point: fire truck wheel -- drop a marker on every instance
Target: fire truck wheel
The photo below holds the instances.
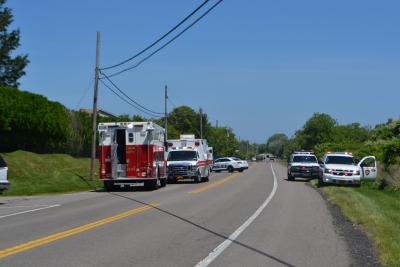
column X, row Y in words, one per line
column 150, row 185
column 163, row 182
column 108, row 185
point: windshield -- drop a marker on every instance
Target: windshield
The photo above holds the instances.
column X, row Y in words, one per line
column 304, row 159
column 340, row 160
column 182, row 156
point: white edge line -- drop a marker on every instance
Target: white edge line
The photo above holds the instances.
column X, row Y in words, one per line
column 221, row 247
column 28, row 211
column 17, row 207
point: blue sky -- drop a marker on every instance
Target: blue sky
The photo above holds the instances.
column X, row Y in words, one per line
column 257, row 66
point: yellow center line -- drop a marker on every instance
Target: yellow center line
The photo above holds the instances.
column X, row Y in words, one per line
column 217, row 183
column 214, row 184
column 54, row 237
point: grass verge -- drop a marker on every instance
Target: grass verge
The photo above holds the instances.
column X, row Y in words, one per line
column 33, row 174
column 375, row 210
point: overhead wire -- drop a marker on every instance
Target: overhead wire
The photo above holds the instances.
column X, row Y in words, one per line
column 159, row 39
column 128, row 102
column 127, row 96
column 167, row 43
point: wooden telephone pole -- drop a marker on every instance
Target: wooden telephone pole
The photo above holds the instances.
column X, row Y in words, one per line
column 94, row 111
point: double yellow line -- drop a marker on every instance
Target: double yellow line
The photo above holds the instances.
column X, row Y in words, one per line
column 54, row 237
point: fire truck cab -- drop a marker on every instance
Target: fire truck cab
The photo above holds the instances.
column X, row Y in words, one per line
column 189, row 158
column 132, row 152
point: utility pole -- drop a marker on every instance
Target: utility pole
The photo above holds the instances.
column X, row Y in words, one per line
column 94, row 111
column 166, row 119
column 201, row 123
column 216, row 124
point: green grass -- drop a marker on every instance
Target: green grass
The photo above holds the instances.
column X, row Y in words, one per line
column 33, row 174
column 377, row 211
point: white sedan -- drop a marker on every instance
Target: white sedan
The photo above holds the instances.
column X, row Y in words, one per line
column 228, row 164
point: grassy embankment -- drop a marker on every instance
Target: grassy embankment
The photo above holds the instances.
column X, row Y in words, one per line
column 33, row 174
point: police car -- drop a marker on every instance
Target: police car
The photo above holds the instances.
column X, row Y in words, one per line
column 341, row 168
column 302, row 164
column 229, row 164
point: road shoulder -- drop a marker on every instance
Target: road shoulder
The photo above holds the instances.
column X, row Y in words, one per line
column 362, row 250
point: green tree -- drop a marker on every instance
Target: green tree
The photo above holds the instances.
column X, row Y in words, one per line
column 277, row 143
column 11, row 68
column 318, row 129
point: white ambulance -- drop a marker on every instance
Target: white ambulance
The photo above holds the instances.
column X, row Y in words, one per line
column 189, row 158
column 131, row 153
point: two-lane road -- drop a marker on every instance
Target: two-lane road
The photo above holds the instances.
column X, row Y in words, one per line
column 255, row 218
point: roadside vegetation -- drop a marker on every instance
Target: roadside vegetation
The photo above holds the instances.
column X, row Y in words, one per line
column 32, row 174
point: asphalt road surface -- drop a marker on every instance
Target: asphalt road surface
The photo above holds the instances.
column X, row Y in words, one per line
column 254, row 218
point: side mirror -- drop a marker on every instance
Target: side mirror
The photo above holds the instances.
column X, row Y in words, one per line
column 320, row 162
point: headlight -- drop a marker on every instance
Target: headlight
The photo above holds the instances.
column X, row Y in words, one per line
column 356, row 172
column 328, row 170
column 315, row 168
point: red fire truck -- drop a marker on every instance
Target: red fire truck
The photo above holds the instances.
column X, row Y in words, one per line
column 132, row 152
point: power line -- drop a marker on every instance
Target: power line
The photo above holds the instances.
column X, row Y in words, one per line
column 159, row 39
column 122, row 92
column 167, row 43
column 125, row 100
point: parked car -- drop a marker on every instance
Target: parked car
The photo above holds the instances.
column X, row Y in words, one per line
column 302, row 164
column 227, row 164
column 4, row 183
column 243, row 163
column 341, row 168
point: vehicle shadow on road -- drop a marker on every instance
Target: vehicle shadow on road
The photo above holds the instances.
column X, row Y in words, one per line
column 301, row 180
column 208, row 230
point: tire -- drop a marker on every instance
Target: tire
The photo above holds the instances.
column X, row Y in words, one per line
column 197, row 178
column 218, row 171
column 320, row 182
column 241, row 170
column 230, row 169
column 290, row 177
column 108, row 185
column 163, row 182
column 151, row 184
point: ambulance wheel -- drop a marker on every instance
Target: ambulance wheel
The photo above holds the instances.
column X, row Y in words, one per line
column 230, row 169
column 197, row 178
column 108, row 185
column 163, row 182
column 151, row 184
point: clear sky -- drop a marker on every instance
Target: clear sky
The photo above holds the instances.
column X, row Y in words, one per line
column 257, row 66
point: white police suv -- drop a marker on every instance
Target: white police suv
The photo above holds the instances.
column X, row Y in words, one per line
column 341, row 168
column 302, row 164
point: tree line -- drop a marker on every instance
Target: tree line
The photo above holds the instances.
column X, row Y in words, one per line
column 322, row 133
column 31, row 122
